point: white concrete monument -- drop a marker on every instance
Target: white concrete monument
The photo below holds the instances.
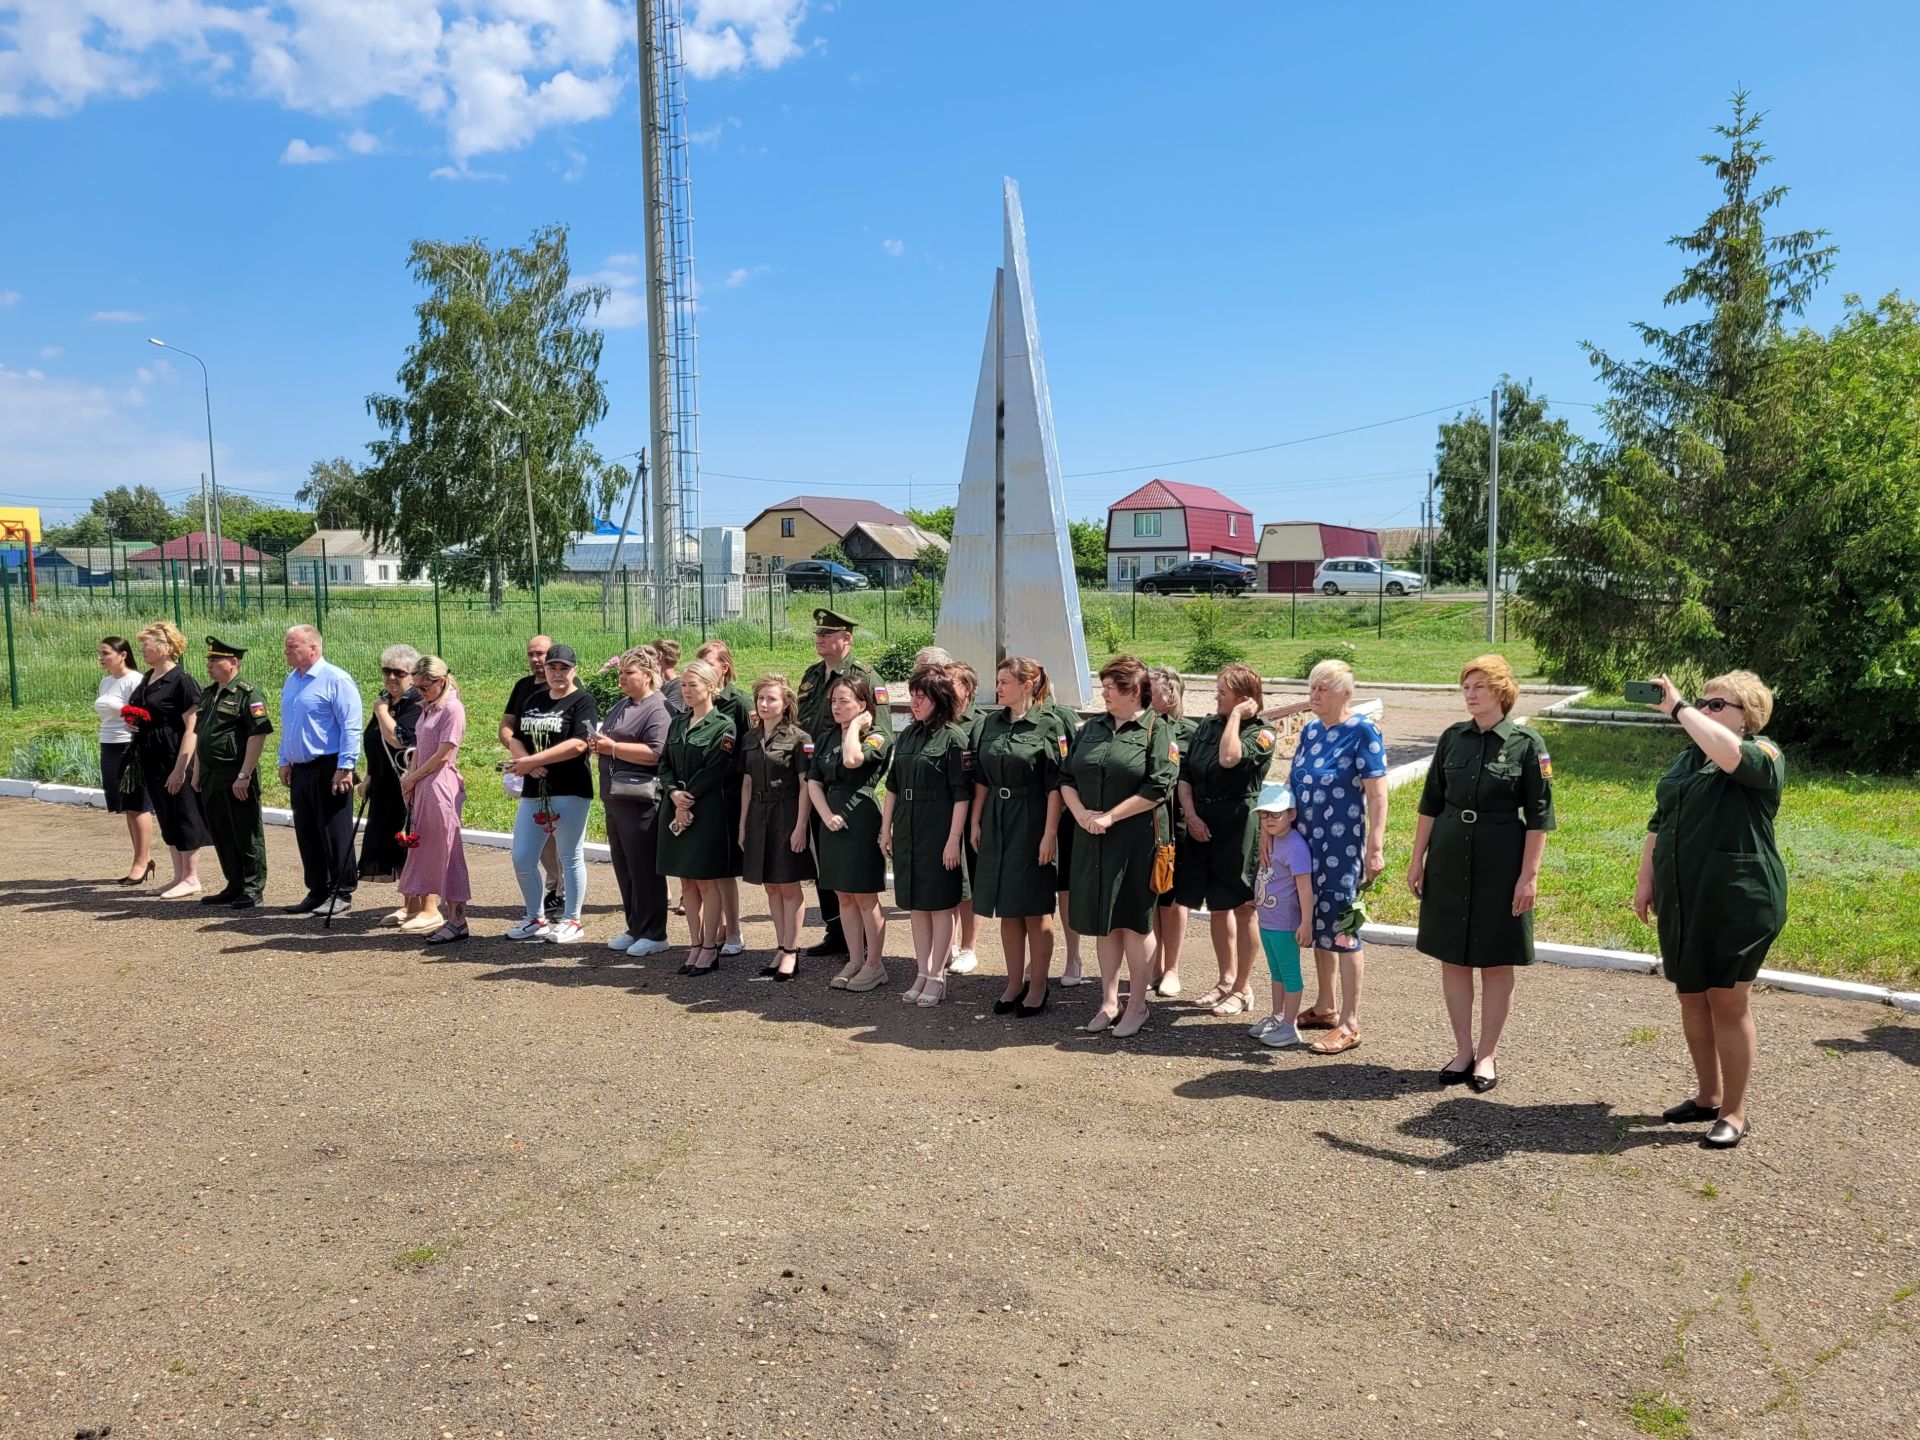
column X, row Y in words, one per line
column 1010, row 586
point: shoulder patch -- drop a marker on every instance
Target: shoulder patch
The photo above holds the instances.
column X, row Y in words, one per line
column 880, row 695
column 807, row 748
column 1546, row 765
column 1173, row 751
column 726, row 742
column 1769, row 749
column 1061, row 740
column 1265, row 740
column 874, row 742
column 258, row 707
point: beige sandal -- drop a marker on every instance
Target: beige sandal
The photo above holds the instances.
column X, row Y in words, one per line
column 1338, row 1042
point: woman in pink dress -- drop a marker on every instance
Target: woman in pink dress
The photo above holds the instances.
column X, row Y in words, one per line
column 436, row 861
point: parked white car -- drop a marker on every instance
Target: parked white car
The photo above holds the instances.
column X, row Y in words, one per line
column 1359, row 575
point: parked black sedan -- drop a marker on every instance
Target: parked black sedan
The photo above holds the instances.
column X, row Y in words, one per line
column 1201, row 577
column 822, row 575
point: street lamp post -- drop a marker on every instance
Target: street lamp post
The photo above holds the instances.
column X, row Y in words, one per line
column 533, row 533
column 219, row 545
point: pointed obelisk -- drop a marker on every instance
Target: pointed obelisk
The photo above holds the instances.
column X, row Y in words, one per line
column 1010, row 587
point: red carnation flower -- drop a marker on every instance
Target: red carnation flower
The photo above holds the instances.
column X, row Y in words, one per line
column 407, row 839
column 134, row 715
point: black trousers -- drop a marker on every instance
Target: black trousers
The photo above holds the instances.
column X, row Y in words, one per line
column 323, row 827
column 634, row 848
column 829, row 908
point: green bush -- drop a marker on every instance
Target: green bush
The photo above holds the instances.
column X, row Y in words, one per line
column 57, row 757
column 895, row 661
column 603, row 685
column 1209, row 657
column 1208, row 619
column 1339, row 650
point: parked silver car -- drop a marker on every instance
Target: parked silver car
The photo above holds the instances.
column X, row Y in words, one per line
column 1359, row 575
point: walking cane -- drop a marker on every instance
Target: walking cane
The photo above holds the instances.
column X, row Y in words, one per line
column 333, row 881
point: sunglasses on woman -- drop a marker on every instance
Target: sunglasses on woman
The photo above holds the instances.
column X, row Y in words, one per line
column 1714, row 705
column 394, row 674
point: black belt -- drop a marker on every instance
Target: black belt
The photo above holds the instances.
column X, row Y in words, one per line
column 332, row 762
column 1475, row 817
column 1008, row 792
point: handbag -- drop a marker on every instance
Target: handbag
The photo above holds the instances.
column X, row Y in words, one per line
column 1162, row 881
column 645, row 788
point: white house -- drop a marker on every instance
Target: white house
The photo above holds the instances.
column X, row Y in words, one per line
column 349, row 558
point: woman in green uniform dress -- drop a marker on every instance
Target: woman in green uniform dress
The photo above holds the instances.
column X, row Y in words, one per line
column 966, row 925
column 849, row 762
column 1484, row 818
column 1170, row 922
column 696, row 844
column 1119, row 771
column 924, row 826
column 774, row 810
column 732, row 701
column 1070, row 973
column 1015, row 829
column 1221, row 771
column 1712, row 875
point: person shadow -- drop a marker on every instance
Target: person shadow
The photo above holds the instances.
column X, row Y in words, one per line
column 1889, row 1037
column 1480, row 1132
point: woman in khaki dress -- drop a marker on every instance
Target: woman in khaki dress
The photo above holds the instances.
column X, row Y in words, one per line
column 774, row 811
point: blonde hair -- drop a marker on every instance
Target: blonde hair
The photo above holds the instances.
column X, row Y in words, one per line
column 165, row 632
column 789, row 706
column 1241, row 680
column 965, row 677
column 1166, row 675
column 1335, row 673
column 716, row 653
column 1499, row 679
column 1756, row 699
column 429, row 667
column 641, row 657
column 703, row 671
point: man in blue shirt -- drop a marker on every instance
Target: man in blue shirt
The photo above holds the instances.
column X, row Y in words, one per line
column 319, row 748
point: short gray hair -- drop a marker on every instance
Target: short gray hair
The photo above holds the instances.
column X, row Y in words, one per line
column 398, row 657
column 305, row 632
column 1336, row 674
column 930, row 655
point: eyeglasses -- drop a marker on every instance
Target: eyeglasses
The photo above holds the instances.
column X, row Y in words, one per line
column 1715, row 705
column 394, row 674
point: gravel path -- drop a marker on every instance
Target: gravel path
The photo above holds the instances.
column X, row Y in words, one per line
column 258, row 1178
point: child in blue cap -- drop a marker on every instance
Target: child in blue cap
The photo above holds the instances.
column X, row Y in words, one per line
column 1284, row 901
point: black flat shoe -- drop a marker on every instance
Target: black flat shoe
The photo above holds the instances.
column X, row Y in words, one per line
column 223, row 897
column 1724, row 1135
column 1689, row 1112
column 306, row 907
column 244, row 901
column 834, row 947
column 1006, row 1007
column 1026, row 1012
column 1481, row 1084
column 1455, row 1077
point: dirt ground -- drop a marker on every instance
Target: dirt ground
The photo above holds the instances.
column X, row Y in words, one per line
column 256, row 1177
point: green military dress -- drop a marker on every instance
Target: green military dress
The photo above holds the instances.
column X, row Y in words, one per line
column 1070, row 722
column 733, row 702
column 1108, row 762
column 1719, row 884
column 928, row 775
column 850, row 861
column 1018, row 763
column 812, row 702
column 1485, row 790
column 228, row 717
column 1175, row 823
column 777, row 766
column 1221, row 872
column 698, row 758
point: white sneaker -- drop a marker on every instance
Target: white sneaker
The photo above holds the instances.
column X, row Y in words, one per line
column 646, row 947
column 964, row 962
column 1282, row 1036
column 1260, row 1030
column 734, row 947
column 621, row 941
column 333, row 905
column 565, row 932
column 532, row 928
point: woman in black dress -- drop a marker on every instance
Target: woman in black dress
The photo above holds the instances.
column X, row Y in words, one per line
column 385, row 743
column 774, row 813
column 170, row 697
column 731, row 701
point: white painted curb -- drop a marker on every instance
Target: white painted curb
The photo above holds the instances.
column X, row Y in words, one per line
column 1571, row 691
column 23, row 789
column 70, row 795
column 1408, row 773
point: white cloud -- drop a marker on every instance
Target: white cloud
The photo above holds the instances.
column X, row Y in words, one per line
column 492, row 73
column 156, row 372
column 117, row 317
column 9, row 299
column 625, row 307
column 299, row 152
column 895, row 248
column 721, row 37
column 740, row 276
column 51, row 352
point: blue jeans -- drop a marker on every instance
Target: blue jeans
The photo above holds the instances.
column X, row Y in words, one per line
column 569, row 838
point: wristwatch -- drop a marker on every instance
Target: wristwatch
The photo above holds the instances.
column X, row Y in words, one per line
column 1678, row 706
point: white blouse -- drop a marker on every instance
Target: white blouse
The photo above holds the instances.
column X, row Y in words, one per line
column 115, row 691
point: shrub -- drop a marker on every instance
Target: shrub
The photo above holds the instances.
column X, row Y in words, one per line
column 1339, row 650
column 1210, row 651
column 1209, row 657
column 57, row 757
column 895, row 662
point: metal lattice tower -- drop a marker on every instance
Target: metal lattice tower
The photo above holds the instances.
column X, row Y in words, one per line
column 684, row 291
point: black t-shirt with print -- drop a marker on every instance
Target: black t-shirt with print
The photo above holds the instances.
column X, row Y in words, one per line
column 574, row 719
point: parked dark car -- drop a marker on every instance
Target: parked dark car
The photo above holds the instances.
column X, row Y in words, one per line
column 822, row 575
column 1201, row 577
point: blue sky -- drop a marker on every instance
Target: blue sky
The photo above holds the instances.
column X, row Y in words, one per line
column 1248, row 223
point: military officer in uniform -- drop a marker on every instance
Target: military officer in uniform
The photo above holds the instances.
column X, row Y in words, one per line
column 228, row 736
column 1712, row 877
column 833, row 643
column 1484, row 817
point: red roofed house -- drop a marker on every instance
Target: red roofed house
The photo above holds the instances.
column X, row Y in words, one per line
column 192, row 550
column 1292, row 550
column 1165, row 522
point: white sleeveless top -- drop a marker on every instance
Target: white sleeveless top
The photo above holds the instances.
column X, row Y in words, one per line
column 115, row 692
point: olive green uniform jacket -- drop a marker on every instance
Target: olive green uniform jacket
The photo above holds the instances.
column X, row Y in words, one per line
column 777, row 766
column 1017, row 763
column 1485, row 790
column 1719, row 884
column 1112, row 884
column 228, row 717
column 928, row 775
column 850, row 860
column 698, row 758
column 1220, row 872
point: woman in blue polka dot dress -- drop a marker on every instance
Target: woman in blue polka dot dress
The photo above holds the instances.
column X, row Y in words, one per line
column 1340, row 789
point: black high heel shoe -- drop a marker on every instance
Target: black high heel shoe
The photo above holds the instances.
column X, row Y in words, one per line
column 780, row 977
column 1006, row 1007
column 1026, row 1012
column 137, row 879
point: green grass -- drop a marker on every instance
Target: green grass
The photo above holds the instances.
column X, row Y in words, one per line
column 1850, row 842
column 54, row 646
column 421, row 1256
column 1660, row 1416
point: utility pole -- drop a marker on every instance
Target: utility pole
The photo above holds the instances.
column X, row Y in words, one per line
column 206, row 525
column 1493, row 509
column 1426, row 549
column 660, row 395
column 219, row 552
